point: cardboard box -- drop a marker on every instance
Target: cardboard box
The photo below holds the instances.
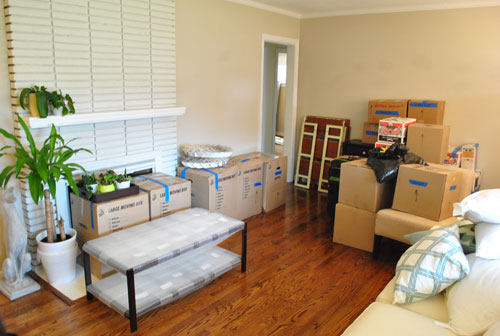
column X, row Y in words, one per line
column 466, row 179
column 275, row 172
column 469, row 156
column 354, row 227
column 92, row 220
column 478, row 177
column 370, row 133
column 360, row 189
column 250, row 187
column 394, row 129
column 427, row 191
column 453, row 156
column 166, row 193
column 214, row 189
column 384, row 108
column 429, row 141
column 427, row 111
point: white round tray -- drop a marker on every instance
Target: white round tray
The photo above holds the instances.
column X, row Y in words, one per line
column 206, row 151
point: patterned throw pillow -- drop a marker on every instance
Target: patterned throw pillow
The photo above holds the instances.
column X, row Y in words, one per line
column 429, row 266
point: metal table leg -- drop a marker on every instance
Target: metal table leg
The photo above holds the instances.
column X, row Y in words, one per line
column 244, row 249
column 132, row 312
column 88, row 275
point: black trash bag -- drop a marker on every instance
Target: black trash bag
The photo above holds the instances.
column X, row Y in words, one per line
column 386, row 161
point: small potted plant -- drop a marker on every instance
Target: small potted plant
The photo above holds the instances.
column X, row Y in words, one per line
column 107, row 182
column 123, row 181
column 88, row 183
column 35, row 100
column 61, row 104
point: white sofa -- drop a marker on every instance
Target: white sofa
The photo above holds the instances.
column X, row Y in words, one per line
column 416, row 319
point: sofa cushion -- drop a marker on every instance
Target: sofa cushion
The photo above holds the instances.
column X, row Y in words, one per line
column 487, row 239
column 432, row 264
column 480, row 206
column 473, row 303
column 396, row 224
column 381, row 319
column 433, row 307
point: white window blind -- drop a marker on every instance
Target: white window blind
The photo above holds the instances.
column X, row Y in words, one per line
column 109, row 55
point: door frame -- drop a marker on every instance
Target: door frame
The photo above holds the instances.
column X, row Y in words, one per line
column 291, row 96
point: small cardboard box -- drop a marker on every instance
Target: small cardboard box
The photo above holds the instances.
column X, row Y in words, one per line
column 370, row 133
column 429, row 141
column 359, row 187
column 214, row 189
column 427, row 191
column 379, row 109
column 427, row 111
column 275, row 172
column 469, row 156
column 354, row 227
column 466, row 179
column 394, row 129
column 453, row 156
column 250, row 187
column 92, row 220
column 166, row 193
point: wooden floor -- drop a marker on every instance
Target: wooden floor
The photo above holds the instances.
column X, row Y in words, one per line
column 297, row 283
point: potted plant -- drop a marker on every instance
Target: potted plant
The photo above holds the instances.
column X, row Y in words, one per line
column 42, row 167
column 88, row 182
column 107, row 182
column 34, row 100
column 39, row 102
column 61, row 104
column 123, row 181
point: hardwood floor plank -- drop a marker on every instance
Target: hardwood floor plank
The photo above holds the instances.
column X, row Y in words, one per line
column 298, row 282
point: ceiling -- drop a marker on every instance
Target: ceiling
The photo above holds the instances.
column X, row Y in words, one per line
column 322, row 8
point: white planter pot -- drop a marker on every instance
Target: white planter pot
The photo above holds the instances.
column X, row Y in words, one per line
column 58, row 259
column 93, row 187
column 122, row 185
column 56, row 111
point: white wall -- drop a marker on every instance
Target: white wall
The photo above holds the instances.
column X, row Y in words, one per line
column 453, row 55
column 219, row 70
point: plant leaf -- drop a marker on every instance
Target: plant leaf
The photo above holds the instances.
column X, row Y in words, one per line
column 11, row 137
column 41, row 104
column 52, row 187
column 52, row 141
column 42, row 169
column 35, row 190
column 5, row 176
column 19, row 164
column 22, row 97
column 29, row 137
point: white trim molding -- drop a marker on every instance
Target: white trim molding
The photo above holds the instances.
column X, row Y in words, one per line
column 267, row 8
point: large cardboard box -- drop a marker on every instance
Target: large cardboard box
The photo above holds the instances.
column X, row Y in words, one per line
column 466, row 179
column 427, row 191
column 385, row 108
column 93, row 220
column 429, row 141
column 354, row 227
column 214, row 189
column 359, row 187
column 370, row 133
column 274, row 172
column 394, row 129
column 166, row 193
column 250, row 187
column 427, row 111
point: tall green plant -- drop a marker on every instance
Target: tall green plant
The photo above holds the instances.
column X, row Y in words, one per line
column 42, row 167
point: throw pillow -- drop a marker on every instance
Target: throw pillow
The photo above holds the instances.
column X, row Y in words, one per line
column 473, row 304
column 466, row 230
column 430, row 265
column 488, row 240
column 494, row 330
column 480, row 206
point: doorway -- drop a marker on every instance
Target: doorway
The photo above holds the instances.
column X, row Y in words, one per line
column 279, row 97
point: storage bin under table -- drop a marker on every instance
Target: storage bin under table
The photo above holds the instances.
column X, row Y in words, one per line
column 162, row 260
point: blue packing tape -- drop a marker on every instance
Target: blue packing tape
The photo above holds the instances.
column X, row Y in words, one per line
column 424, row 103
column 371, row 133
column 383, row 112
column 453, row 187
column 92, row 215
column 257, row 184
column 278, row 173
column 183, row 174
column 216, row 177
column 245, row 160
column 167, row 190
column 418, row 183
